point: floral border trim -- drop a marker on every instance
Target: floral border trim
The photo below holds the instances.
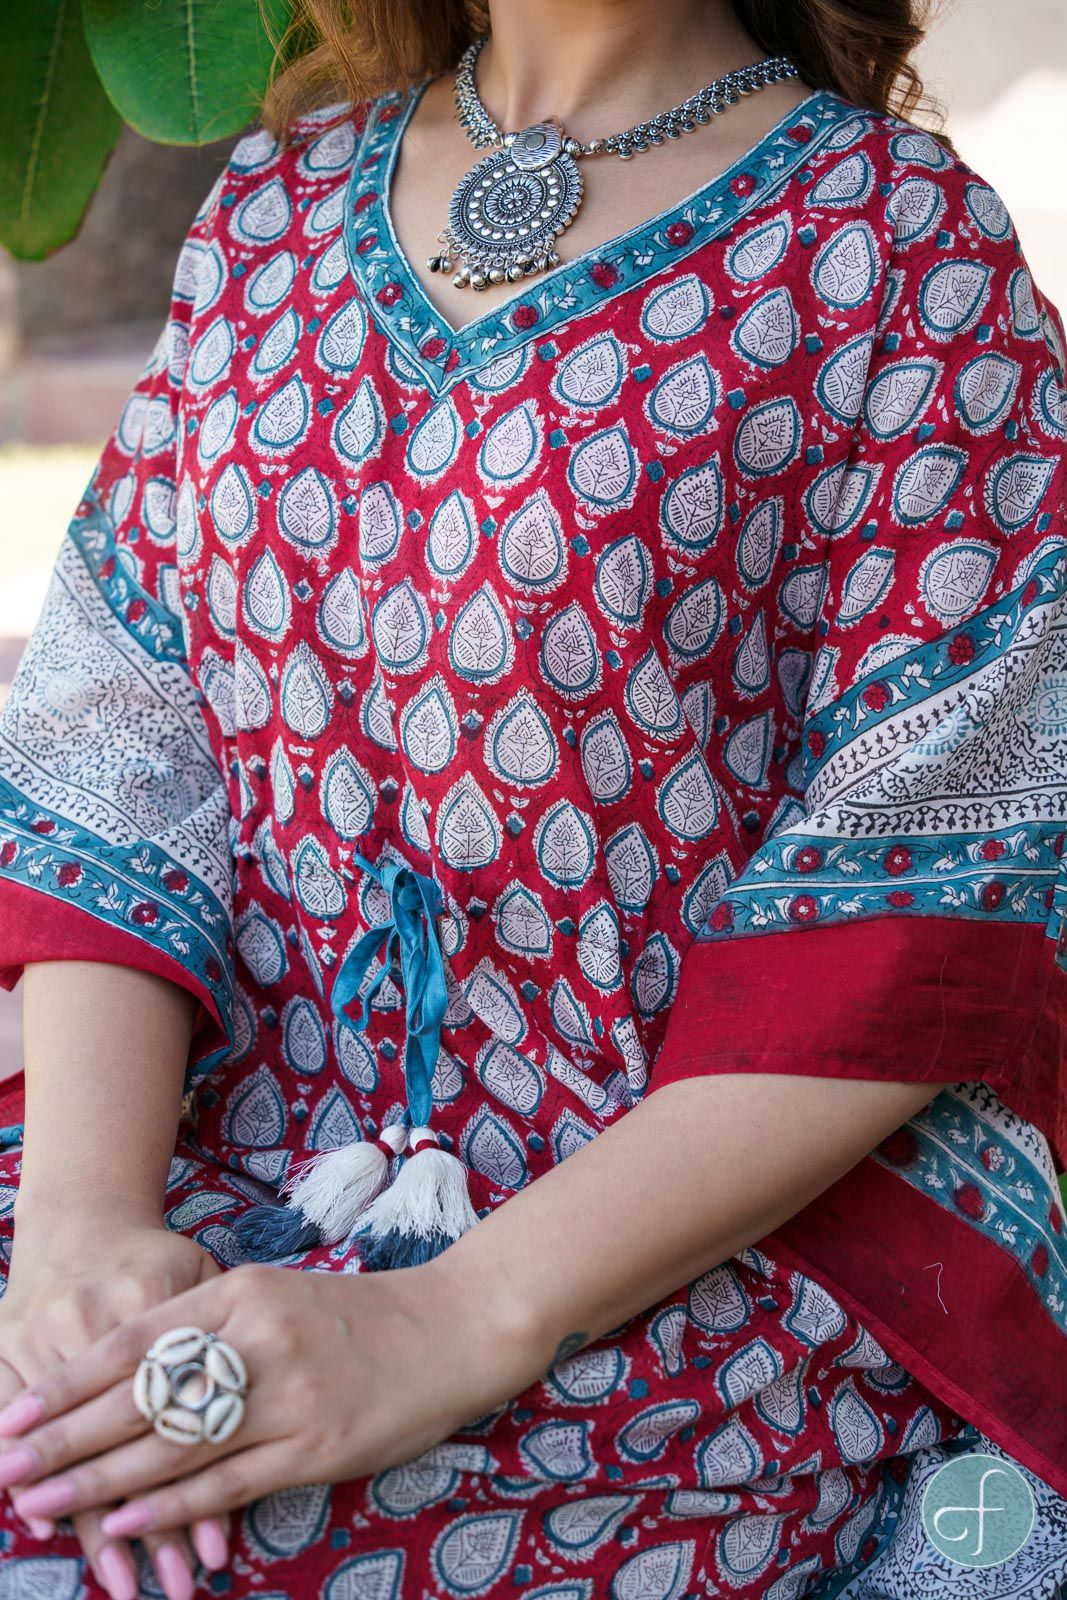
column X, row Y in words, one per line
column 952, row 1156
column 136, row 889
column 444, row 356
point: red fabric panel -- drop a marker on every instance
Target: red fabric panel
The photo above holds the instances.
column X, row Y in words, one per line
column 37, row 927
column 945, row 1302
column 917, row 999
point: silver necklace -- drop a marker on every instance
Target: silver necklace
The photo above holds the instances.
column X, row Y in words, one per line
column 506, row 213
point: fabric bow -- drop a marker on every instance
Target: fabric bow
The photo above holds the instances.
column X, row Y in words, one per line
column 415, row 902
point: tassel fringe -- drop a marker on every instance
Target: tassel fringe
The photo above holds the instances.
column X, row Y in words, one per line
column 327, row 1195
column 424, row 1210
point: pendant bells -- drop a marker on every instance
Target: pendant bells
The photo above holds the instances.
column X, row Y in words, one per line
column 506, row 213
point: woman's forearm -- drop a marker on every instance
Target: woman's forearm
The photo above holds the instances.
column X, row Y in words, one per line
column 105, row 1051
column 700, row 1169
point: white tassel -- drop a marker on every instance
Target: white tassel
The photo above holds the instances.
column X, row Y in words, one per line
column 424, row 1210
column 334, row 1189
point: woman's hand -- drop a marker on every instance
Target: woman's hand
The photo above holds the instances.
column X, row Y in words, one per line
column 348, row 1375
column 73, row 1280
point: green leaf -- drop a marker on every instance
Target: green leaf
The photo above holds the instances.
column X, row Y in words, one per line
column 57, row 127
column 183, row 71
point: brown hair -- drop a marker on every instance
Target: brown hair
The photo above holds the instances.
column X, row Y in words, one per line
column 350, row 50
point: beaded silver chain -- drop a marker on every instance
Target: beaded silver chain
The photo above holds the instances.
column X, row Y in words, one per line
column 506, row 213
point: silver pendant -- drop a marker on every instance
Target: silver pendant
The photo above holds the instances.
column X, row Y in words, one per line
column 506, row 213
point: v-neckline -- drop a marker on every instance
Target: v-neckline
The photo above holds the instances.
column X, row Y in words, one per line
column 443, row 355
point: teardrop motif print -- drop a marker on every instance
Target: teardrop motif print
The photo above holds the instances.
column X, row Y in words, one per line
column 347, row 795
column 691, row 512
column 511, row 447
column 564, row 845
column 606, row 760
column 632, row 867
column 340, row 619
column 401, row 629
column 480, row 645
column 522, row 922
column 358, row 429
column 306, row 695
column 307, row 513
column 569, row 658
column 623, row 581
column 684, row 400
column 233, row 510
column 267, row 604
column 532, row 554
column 694, row 621
column 222, row 596
column 252, row 692
column 687, row 800
column 379, row 525
column 282, row 421
column 651, row 698
column 468, row 834
column 277, row 346
column 429, row 727
column 450, row 543
column 318, row 887
column 591, row 375
column 340, row 344
column 519, row 745
column 603, row 471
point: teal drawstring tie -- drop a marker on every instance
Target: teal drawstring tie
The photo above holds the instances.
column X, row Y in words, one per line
column 347, row 1192
column 415, row 901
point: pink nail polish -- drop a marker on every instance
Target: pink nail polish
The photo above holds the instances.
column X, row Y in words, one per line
column 116, row 1574
column 40, row 1528
column 173, row 1572
column 129, row 1519
column 49, row 1499
column 17, row 1465
column 211, row 1545
column 20, row 1415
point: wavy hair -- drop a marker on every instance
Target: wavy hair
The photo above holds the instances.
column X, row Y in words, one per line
column 351, row 50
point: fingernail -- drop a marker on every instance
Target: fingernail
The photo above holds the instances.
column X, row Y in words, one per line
column 18, row 1465
column 48, row 1499
column 40, row 1528
column 173, row 1572
column 116, row 1574
column 211, row 1545
column 132, row 1518
column 20, row 1415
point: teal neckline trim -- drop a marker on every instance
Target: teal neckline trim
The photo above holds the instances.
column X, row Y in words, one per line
column 443, row 356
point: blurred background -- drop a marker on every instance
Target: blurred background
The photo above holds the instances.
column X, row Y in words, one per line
column 76, row 329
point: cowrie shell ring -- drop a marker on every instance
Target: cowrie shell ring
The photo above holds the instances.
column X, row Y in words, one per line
column 191, row 1387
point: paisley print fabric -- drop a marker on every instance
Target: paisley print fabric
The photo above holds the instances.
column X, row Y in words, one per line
column 696, row 620
column 748, row 1436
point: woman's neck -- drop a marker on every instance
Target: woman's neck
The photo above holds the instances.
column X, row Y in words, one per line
column 602, row 64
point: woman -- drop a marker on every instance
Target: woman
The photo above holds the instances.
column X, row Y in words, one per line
column 615, row 713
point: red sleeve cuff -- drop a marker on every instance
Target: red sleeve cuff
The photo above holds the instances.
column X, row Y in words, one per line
column 35, row 927
column 911, row 999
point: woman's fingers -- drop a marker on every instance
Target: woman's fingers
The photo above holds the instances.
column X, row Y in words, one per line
column 172, row 1557
column 110, row 1559
column 141, row 1463
column 114, row 1356
column 101, row 1424
column 211, row 1541
column 224, row 1486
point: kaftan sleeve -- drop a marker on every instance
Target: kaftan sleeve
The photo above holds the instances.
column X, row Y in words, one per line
column 903, row 922
column 114, row 815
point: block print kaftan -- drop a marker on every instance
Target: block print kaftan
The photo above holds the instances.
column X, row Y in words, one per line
column 696, row 620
